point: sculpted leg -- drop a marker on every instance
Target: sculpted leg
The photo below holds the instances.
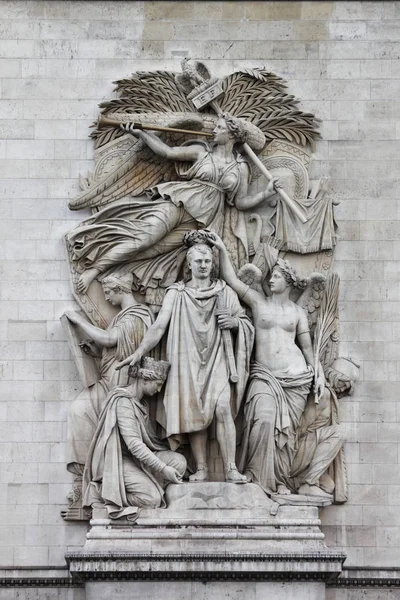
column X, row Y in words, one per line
column 226, row 436
column 198, row 445
column 261, row 443
column 140, row 490
column 86, row 279
column 314, row 481
column 121, row 241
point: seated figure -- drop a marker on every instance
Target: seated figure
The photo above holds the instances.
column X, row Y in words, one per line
column 128, row 466
column 318, row 467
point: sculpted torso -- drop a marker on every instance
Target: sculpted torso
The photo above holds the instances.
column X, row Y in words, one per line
column 277, row 327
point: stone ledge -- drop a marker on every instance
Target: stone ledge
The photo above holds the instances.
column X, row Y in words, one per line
column 318, row 566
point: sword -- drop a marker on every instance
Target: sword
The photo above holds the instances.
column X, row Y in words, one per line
column 222, row 309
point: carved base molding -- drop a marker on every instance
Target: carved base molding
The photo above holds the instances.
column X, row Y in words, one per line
column 350, row 578
column 266, row 553
column 367, row 577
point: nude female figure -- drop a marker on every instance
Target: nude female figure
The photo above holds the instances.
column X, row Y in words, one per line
column 280, row 379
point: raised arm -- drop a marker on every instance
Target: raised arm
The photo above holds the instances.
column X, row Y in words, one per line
column 185, row 153
column 242, row 199
column 100, row 336
column 154, row 333
column 244, row 291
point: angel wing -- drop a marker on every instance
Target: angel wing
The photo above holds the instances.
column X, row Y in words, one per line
column 311, row 298
column 260, row 97
column 124, row 165
column 143, row 92
column 251, row 276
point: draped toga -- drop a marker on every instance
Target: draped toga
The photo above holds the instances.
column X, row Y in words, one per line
column 199, row 369
column 272, row 414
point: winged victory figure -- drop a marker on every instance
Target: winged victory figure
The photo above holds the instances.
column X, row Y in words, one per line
column 147, row 190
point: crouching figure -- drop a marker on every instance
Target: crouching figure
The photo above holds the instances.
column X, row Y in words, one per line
column 128, row 466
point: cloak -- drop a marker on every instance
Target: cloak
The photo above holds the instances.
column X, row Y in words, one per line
column 199, row 369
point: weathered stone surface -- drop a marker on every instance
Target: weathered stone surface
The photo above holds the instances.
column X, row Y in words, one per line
column 369, row 121
column 214, row 495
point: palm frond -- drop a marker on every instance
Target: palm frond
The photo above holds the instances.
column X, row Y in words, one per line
column 260, row 97
column 326, row 329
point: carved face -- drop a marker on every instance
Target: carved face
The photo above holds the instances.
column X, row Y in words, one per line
column 112, row 295
column 200, row 263
column 277, row 282
column 152, row 386
column 221, row 132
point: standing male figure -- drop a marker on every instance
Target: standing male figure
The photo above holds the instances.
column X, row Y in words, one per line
column 198, row 386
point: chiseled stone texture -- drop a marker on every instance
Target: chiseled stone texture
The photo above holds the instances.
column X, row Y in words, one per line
column 58, row 61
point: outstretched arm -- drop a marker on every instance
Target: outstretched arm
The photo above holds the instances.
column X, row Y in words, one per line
column 154, row 333
column 100, row 336
column 186, row 153
column 244, row 291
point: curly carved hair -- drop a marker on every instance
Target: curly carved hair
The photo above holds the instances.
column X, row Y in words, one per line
column 290, row 274
column 236, row 127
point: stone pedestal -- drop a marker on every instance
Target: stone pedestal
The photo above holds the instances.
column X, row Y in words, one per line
column 186, row 553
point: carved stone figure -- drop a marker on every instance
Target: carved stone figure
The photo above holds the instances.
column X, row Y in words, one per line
column 280, row 379
column 227, row 167
column 128, row 466
column 198, row 388
column 147, row 203
column 318, row 468
column 112, row 345
column 148, row 229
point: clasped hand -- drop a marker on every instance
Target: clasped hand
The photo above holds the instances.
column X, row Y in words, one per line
column 73, row 316
column 273, row 186
column 227, row 322
column 319, row 387
column 132, row 361
column 130, row 128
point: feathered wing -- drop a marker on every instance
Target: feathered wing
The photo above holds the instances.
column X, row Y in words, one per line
column 260, row 97
column 125, row 165
column 132, row 171
column 311, row 298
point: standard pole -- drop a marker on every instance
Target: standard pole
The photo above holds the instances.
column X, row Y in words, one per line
column 269, row 176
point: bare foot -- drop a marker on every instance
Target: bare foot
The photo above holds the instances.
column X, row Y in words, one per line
column 85, row 280
column 312, row 490
column 200, row 475
column 283, row 490
column 233, row 476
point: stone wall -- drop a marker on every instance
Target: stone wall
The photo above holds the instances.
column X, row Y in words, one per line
column 58, row 59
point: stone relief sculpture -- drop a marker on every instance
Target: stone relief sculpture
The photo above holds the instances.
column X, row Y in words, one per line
column 198, row 388
column 281, row 376
column 128, row 466
column 112, row 345
column 219, row 166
